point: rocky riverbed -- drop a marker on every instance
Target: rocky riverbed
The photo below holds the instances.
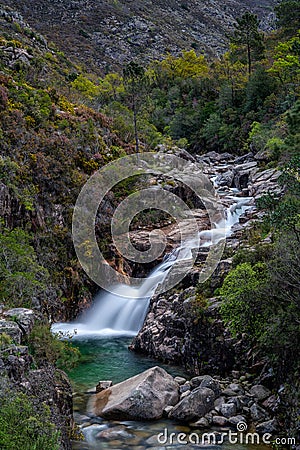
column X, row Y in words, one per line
column 215, row 406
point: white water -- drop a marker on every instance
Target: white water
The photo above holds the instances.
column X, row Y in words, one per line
column 122, row 314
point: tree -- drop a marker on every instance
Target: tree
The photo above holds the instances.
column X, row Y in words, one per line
column 247, row 36
column 231, row 74
column 288, row 15
column 286, row 65
column 135, row 88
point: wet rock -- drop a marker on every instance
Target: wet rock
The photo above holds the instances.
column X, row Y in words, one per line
column 110, row 434
column 201, row 423
column 225, row 179
column 143, row 397
column 196, row 405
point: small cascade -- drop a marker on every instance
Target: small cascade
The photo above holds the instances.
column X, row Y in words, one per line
column 123, row 313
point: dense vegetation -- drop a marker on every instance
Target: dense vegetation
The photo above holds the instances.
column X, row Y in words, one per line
column 25, row 424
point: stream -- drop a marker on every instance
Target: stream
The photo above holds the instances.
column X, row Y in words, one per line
column 108, row 358
column 103, row 335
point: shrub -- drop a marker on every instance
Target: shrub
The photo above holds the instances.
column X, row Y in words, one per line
column 243, row 309
column 25, row 425
column 48, row 348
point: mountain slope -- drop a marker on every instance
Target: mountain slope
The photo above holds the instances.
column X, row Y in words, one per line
column 107, row 33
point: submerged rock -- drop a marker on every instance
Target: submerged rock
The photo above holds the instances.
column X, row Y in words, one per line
column 142, row 397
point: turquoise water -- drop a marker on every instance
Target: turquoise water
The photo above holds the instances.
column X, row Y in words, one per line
column 110, row 359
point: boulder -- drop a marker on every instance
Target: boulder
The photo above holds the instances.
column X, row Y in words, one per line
column 258, row 413
column 196, row 405
column 228, row 410
column 102, row 385
column 201, row 423
column 260, row 392
column 142, row 397
column 271, row 426
column 209, row 382
column 220, row 421
column 235, row 420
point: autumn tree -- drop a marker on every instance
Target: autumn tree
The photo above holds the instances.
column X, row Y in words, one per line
column 248, row 38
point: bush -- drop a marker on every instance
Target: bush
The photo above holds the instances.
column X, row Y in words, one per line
column 48, row 348
column 25, row 425
column 242, row 308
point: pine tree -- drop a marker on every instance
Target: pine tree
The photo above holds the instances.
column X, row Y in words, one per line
column 247, row 36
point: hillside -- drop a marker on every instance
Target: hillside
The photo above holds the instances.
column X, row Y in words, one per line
column 105, row 34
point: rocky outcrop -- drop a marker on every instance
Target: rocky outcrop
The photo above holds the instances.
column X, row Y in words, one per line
column 107, row 34
column 47, row 385
column 143, row 397
column 176, row 328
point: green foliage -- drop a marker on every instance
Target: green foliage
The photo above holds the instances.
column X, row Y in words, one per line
column 288, row 15
column 283, row 294
column 22, row 278
column 85, row 87
column 48, row 348
column 247, row 36
column 5, row 340
column 241, row 308
column 26, row 425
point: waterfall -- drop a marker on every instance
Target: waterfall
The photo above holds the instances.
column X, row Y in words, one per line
column 123, row 313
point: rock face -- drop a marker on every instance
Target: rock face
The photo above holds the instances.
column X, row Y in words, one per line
column 176, row 327
column 47, row 385
column 107, row 34
column 143, row 397
column 175, row 332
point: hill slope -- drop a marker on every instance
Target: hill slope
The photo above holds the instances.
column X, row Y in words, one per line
column 106, row 33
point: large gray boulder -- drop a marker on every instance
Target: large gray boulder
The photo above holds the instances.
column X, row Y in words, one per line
column 143, row 397
column 194, row 406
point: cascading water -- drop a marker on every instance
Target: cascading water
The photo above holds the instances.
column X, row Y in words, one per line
column 123, row 313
